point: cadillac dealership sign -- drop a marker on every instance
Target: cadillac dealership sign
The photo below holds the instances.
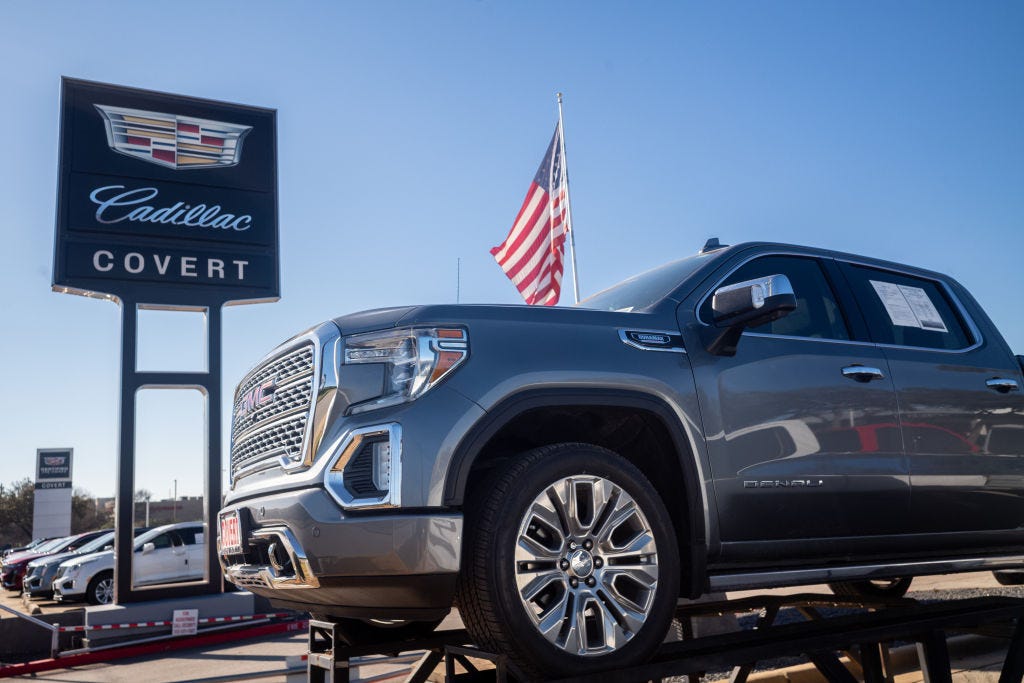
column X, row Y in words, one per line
column 165, row 199
column 51, row 513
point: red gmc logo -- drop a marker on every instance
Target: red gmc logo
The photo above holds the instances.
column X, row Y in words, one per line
column 257, row 397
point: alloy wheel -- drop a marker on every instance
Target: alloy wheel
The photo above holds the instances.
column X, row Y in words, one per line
column 586, row 565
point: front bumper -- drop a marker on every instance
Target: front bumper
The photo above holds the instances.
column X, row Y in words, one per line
column 39, row 582
column 11, row 578
column 301, row 550
column 67, row 587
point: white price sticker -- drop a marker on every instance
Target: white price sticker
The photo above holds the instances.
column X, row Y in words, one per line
column 909, row 306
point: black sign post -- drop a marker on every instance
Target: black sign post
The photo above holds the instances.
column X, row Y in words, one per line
column 165, row 202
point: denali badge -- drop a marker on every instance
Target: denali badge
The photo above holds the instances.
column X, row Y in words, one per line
column 178, row 142
column 784, row 484
column 653, row 340
column 649, row 338
column 254, row 399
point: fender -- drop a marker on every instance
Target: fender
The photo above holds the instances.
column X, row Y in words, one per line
column 509, row 408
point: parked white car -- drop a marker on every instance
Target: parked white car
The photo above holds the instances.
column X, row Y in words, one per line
column 166, row 554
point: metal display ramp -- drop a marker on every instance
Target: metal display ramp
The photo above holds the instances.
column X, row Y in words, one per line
column 863, row 629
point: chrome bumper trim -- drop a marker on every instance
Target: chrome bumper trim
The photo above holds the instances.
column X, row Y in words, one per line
column 269, row 576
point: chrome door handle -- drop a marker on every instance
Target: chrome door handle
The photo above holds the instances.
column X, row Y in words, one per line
column 1002, row 385
column 862, row 373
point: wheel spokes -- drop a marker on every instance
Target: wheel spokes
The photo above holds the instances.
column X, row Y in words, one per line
column 586, row 565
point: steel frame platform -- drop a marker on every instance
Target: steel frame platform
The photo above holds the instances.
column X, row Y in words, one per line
column 864, row 631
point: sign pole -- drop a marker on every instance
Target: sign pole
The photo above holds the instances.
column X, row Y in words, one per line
column 170, row 203
column 568, row 205
column 132, row 381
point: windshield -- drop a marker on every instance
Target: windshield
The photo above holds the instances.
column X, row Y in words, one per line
column 642, row 291
column 97, row 543
column 50, row 545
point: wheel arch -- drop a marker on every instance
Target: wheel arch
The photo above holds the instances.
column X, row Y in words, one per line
column 638, row 426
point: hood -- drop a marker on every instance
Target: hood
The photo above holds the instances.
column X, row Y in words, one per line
column 447, row 314
column 21, row 558
column 82, row 559
column 368, row 321
column 453, row 313
column 52, row 559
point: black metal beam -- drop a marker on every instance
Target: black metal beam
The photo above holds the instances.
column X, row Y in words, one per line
column 934, row 656
column 1013, row 666
column 834, row 633
column 209, row 383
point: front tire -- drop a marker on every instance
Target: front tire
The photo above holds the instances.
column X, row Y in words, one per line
column 570, row 562
column 1009, row 577
column 101, row 589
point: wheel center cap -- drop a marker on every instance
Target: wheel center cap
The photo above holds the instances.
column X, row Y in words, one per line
column 581, row 563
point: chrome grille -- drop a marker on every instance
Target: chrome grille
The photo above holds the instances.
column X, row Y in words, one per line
column 262, row 434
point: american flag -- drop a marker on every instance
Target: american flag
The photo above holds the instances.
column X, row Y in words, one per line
column 532, row 254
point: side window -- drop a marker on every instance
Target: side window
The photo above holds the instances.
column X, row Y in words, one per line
column 906, row 310
column 817, row 314
column 162, row 541
column 191, row 535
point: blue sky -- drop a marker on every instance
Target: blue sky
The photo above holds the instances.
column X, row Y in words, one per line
column 408, row 134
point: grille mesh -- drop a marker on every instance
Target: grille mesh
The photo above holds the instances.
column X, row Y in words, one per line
column 359, row 473
column 263, row 433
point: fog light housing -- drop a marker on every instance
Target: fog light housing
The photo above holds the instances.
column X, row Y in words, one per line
column 366, row 470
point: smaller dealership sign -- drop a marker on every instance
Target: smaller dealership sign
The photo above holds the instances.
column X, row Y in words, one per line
column 53, row 465
column 51, row 515
column 165, row 199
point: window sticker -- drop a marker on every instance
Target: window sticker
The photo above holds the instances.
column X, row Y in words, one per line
column 923, row 308
column 909, row 306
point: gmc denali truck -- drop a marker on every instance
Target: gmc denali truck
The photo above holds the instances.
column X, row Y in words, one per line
column 750, row 416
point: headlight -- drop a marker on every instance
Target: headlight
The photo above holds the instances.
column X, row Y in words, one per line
column 77, row 567
column 415, row 360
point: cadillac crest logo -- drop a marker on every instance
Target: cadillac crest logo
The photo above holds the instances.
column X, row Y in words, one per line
column 179, row 142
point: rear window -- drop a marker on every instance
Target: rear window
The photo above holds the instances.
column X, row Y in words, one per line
column 908, row 311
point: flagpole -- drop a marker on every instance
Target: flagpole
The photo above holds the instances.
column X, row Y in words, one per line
column 568, row 203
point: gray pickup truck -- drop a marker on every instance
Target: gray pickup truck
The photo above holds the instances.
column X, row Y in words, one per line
column 750, row 416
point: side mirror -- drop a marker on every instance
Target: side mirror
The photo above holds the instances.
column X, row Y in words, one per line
column 148, row 548
column 109, row 546
column 748, row 304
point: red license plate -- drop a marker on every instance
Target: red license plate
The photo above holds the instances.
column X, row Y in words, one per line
column 230, row 534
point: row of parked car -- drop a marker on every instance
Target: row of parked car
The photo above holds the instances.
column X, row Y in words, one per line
column 81, row 567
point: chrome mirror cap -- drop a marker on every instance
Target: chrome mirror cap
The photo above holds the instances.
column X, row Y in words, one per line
column 753, row 302
column 747, row 304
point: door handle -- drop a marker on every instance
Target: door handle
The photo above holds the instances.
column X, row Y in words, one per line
column 1002, row 385
column 862, row 373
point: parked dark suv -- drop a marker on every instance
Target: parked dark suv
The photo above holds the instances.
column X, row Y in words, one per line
column 750, row 416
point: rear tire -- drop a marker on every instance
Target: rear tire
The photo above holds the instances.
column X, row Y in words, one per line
column 569, row 563
column 876, row 588
column 1009, row 577
column 369, row 632
column 101, row 589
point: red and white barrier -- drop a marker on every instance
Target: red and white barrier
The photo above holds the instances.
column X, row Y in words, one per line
column 168, row 622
